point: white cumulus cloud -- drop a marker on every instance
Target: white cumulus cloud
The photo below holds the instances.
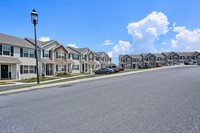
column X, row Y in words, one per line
column 107, row 42
column 146, row 31
column 122, row 47
column 72, row 45
column 110, row 54
column 186, row 40
column 44, row 39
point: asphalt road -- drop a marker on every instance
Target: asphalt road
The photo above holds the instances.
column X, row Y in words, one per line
column 158, row 101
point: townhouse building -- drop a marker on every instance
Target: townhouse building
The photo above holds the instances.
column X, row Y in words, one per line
column 104, row 59
column 147, row 60
column 172, row 58
column 195, row 57
column 97, row 60
column 131, row 61
column 17, row 58
column 161, row 60
column 87, row 59
column 74, row 57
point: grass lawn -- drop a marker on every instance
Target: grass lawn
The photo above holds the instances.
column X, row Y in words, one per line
column 6, row 83
column 35, row 79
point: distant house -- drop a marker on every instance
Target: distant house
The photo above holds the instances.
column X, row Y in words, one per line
column 161, row 60
column 149, row 59
column 185, row 57
column 195, row 57
column 172, row 58
column 131, row 61
column 105, row 60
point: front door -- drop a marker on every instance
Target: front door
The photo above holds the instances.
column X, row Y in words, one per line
column 4, row 71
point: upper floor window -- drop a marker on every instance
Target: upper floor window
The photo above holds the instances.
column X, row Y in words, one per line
column 27, row 53
column 91, row 57
column 6, row 50
column 75, row 57
column 185, row 57
column 69, row 56
column 61, row 55
column 84, row 57
column 128, row 59
column 151, row 58
column 97, row 58
column 175, row 56
column 46, row 53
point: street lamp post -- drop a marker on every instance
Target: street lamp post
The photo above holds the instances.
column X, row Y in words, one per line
column 34, row 20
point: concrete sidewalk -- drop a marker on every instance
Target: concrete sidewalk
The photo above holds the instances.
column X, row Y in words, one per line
column 70, row 80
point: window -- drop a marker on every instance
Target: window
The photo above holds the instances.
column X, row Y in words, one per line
column 91, row 57
column 31, row 69
column 6, row 50
column 75, row 57
column 31, row 53
column 128, row 59
column 61, row 55
column 175, row 56
column 28, row 53
column 69, row 56
column 25, row 69
column 75, row 67
column 84, row 57
column 97, row 58
column 151, row 58
column 25, row 52
column 60, row 67
column 46, row 53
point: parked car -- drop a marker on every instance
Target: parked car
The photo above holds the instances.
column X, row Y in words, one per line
column 188, row 63
column 104, row 71
column 115, row 69
column 121, row 68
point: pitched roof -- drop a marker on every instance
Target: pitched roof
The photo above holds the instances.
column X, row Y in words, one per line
column 102, row 54
column 15, row 41
column 39, row 43
column 96, row 54
column 81, row 50
column 145, row 54
column 194, row 53
column 167, row 53
column 159, row 55
column 185, row 53
column 71, row 50
column 136, row 56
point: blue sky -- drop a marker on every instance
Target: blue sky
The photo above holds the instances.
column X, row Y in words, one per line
column 113, row 26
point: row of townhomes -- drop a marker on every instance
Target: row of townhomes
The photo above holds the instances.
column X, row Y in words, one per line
column 17, row 58
column 130, row 61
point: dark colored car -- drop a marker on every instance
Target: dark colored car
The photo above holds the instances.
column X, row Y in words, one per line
column 104, row 71
column 121, row 68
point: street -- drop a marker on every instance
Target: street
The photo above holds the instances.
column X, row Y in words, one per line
column 165, row 100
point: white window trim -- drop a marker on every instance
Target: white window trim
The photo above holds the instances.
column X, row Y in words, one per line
column 6, row 48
